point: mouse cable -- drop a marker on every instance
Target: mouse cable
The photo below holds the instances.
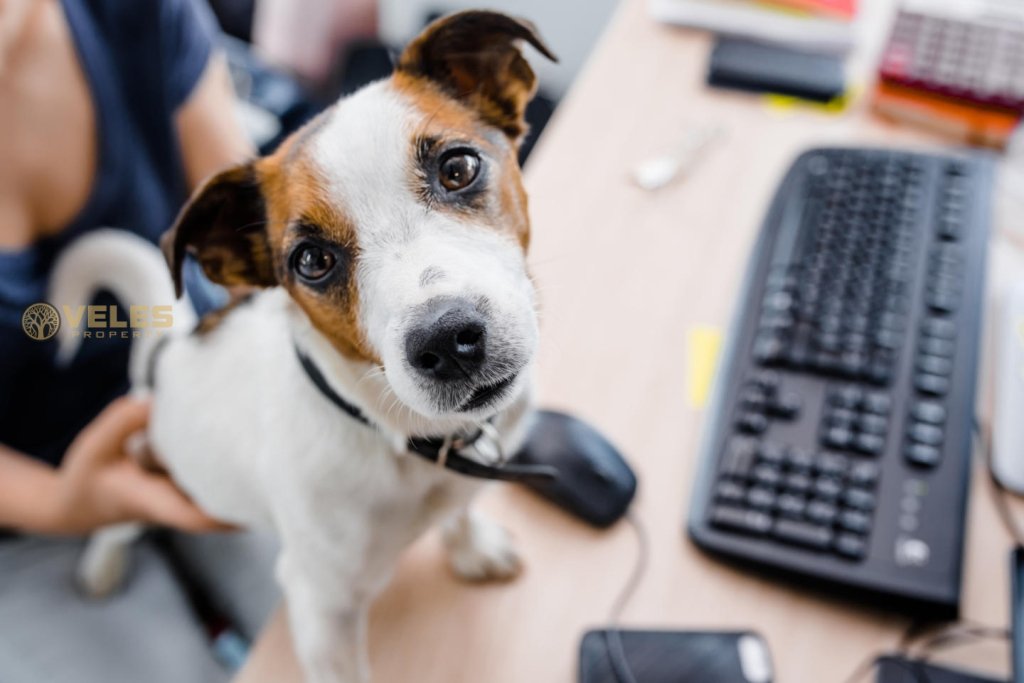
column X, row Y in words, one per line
column 613, row 636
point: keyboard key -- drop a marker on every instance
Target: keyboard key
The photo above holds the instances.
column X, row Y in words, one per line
column 888, row 339
column 837, row 437
column 791, row 505
column 943, row 301
column 822, row 512
column 878, row 403
column 923, row 456
column 864, row 474
column 740, row 455
column 753, row 400
column 929, row 435
column 859, row 499
column 797, row 483
column 769, row 347
column 730, row 492
column 761, row 498
column 772, row 453
column 936, row 347
column 942, row 328
column 827, row 488
column 766, row 381
column 752, row 423
column 779, row 301
column 880, row 373
column 855, row 521
column 848, row 396
column 833, row 464
column 800, row 459
column 851, row 547
column 739, row 519
column 869, row 444
column 803, row 534
column 935, row 365
column 767, row 476
column 933, row 385
column 929, row 412
column 873, row 424
column 840, row 417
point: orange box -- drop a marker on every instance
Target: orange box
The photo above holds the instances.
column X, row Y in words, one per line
column 970, row 123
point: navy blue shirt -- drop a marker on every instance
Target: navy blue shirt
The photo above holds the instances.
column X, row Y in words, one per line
column 141, row 60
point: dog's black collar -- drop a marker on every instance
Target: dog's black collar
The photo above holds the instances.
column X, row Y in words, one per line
column 436, row 448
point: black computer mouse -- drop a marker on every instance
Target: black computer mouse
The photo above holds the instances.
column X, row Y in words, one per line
column 594, row 482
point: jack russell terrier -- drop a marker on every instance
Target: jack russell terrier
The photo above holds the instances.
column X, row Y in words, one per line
column 384, row 367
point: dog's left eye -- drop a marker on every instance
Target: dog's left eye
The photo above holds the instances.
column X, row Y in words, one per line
column 313, row 262
column 458, row 170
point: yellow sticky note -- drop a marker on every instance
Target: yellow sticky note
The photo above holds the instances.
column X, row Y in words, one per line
column 785, row 104
column 704, row 343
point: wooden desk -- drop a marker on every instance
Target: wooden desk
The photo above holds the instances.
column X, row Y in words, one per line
column 623, row 276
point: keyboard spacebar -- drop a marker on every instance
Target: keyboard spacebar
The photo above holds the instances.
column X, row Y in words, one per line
column 803, row 534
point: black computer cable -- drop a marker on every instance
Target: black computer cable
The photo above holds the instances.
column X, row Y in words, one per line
column 613, row 635
column 917, row 647
column 916, row 650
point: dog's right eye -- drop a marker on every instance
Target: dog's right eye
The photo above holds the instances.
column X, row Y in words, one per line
column 458, row 170
column 312, row 262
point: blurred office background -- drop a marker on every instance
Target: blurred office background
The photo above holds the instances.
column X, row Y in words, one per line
column 347, row 43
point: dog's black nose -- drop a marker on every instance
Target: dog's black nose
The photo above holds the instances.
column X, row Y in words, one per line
column 448, row 341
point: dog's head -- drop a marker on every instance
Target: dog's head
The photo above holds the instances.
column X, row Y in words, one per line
column 397, row 220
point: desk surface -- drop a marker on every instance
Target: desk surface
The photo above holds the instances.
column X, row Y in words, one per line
column 624, row 275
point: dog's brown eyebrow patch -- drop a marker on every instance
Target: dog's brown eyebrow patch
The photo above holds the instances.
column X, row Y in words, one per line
column 297, row 203
column 444, row 118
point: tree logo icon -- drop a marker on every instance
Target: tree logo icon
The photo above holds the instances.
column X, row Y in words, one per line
column 40, row 321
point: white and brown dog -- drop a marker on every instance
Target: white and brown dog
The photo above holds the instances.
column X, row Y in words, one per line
column 396, row 320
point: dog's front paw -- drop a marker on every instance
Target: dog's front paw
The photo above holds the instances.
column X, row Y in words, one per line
column 480, row 550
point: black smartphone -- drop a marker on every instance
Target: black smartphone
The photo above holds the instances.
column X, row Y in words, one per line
column 628, row 656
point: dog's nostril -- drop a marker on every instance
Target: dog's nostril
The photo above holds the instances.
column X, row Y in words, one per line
column 468, row 337
column 428, row 361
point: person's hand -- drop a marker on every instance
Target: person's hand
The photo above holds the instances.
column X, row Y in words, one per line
column 98, row 483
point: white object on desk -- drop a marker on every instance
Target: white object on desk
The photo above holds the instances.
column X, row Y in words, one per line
column 745, row 19
column 1008, row 419
column 658, row 172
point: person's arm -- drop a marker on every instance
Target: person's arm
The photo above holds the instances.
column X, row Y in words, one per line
column 24, row 484
column 97, row 484
column 209, row 127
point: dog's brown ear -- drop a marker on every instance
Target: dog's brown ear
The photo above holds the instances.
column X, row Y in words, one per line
column 473, row 57
column 224, row 226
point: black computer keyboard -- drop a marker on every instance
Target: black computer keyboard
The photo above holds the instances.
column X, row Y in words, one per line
column 839, row 439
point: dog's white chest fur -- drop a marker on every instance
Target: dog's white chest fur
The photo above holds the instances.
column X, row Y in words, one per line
column 287, row 458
